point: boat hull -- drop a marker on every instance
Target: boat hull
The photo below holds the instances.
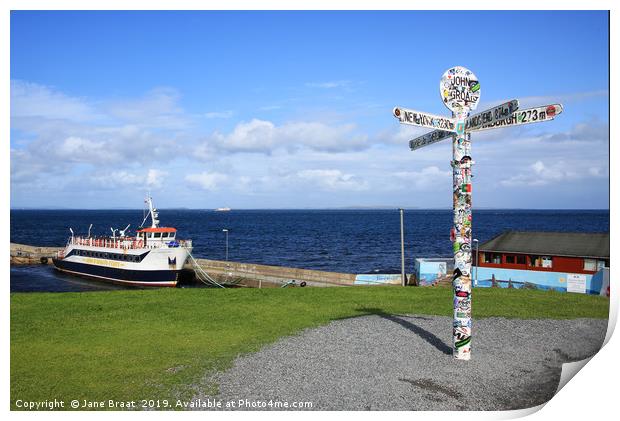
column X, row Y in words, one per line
column 155, row 278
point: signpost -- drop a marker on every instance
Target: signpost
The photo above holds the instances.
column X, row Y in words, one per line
column 428, row 138
column 417, row 118
column 460, row 91
column 527, row 116
column 491, row 115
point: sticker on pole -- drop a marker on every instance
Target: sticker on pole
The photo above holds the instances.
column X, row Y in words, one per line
column 459, row 89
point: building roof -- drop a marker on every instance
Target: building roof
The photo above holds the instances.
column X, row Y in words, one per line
column 574, row 244
column 158, row 229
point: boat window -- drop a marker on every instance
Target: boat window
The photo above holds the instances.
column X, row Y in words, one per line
column 157, row 234
column 164, row 235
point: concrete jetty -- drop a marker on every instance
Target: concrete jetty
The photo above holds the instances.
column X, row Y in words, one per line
column 257, row 276
column 225, row 272
column 22, row 254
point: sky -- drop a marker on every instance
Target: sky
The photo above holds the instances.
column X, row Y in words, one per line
column 274, row 109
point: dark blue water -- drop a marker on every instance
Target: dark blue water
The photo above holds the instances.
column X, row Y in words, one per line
column 354, row 241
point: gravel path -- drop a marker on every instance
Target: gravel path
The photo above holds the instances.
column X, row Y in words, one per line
column 386, row 362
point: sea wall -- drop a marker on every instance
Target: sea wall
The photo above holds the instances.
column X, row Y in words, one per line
column 255, row 275
column 22, row 254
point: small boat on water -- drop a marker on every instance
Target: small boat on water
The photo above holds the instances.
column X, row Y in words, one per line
column 153, row 257
column 223, row 210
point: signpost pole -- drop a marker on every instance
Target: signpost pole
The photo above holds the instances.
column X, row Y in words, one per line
column 402, row 248
column 461, row 236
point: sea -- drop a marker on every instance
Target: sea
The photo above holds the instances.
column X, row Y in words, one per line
column 350, row 240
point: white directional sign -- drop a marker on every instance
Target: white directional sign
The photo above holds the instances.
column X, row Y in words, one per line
column 491, row 115
column 416, row 118
column 527, row 116
column 474, row 122
column 428, row 138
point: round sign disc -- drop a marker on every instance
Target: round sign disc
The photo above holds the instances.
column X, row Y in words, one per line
column 459, row 89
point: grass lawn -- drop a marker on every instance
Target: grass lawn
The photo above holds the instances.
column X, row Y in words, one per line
column 155, row 344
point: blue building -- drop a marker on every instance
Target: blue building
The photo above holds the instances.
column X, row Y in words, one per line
column 562, row 261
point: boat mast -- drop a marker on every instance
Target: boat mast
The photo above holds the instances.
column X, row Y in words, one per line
column 153, row 212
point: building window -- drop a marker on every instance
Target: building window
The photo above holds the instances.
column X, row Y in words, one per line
column 521, row 259
column 510, row 259
column 600, row 264
column 589, row 264
column 541, row 261
column 493, row 258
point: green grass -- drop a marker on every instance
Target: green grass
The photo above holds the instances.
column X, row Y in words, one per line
column 153, row 344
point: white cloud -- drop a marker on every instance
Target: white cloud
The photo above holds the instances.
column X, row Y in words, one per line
column 207, row 180
column 157, row 109
column 329, row 85
column 75, row 145
column 270, row 107
column 78, row 149
column 151, row 179
column 334, row 180
column 34, row 100
column 55, row 131
column 263, row 136
column 155, row 178
column 426, row 178
column 541, row 174
column 219, row 114
column 534, row 101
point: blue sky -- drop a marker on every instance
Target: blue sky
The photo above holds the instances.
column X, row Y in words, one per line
column 293, row 109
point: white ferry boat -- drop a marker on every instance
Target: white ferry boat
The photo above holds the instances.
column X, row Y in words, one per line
column 153, row 257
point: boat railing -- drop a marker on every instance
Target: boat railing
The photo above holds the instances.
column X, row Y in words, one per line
column 126, row 243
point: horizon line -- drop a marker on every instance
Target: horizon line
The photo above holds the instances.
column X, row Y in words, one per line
column 308, row 209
